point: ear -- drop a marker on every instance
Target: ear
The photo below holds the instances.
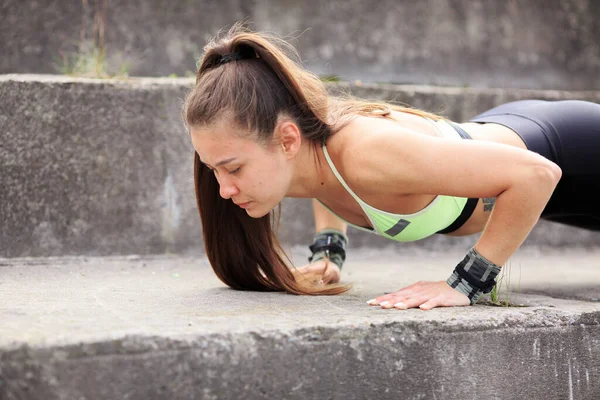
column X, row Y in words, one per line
column 289, row 138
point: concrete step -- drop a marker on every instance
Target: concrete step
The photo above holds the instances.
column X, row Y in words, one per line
column 104, row 167
column 442, row 42
column 143, row 327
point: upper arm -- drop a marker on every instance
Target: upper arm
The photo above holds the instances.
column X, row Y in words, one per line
column 407, row 162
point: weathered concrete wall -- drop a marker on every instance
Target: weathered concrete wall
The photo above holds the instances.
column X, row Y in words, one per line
column 384, row 362
column 102, row 167
column 98, row 167
column 545, row 44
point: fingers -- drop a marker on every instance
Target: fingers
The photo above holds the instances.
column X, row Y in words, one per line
column 445, row 301
column 405, row 303
column 322, row 271
column 432, row 303
column 423, row 302
column 331, row 274
column 429, row 304
column 425, row 295
column 415, row 291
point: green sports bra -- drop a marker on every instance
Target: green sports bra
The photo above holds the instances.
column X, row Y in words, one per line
column 438, row 215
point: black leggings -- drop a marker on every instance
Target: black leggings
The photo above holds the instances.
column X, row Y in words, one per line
column 566, row 132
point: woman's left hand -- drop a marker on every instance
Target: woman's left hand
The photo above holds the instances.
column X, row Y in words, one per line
column 425, row 295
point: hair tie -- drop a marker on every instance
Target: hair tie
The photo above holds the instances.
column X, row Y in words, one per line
column 230, row 57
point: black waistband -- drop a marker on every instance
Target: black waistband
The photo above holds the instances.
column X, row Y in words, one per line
column 471, row 202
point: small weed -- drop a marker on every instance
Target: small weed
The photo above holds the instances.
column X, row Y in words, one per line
column 504, row 280
column 89, row 61
column 90, row 58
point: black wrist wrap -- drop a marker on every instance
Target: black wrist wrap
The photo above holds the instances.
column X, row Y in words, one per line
column 474, row 275
column 329, row 243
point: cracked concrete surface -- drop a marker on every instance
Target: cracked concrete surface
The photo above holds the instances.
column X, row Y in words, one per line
column 166, row 326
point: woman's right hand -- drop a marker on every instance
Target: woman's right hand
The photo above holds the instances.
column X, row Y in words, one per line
column 329, row 271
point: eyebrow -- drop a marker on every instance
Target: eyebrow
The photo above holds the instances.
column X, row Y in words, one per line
column 222, row 162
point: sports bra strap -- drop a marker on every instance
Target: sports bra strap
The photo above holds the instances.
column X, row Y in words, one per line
column 339, row 177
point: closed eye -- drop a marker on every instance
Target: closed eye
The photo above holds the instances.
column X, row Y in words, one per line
column 235, row 171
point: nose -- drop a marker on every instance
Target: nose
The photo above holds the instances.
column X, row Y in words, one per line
column 227, row 189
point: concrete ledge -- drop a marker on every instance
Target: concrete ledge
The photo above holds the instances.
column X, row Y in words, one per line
column 165, row 327
column 101, row 167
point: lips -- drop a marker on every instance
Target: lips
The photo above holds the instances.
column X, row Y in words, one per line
column 243, row 205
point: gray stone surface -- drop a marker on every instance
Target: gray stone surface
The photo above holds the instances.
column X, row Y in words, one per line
column 549, row 44
column 101, row 167
column 96, row 167
column 165, row 327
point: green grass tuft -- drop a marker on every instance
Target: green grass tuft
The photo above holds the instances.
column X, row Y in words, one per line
column 503, row 287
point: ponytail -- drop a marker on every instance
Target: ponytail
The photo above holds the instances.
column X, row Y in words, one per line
column 264, row 81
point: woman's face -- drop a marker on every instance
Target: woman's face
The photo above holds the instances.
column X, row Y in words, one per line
column 249, row 174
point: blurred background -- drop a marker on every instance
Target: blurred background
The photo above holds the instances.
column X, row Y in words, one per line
column 94, row 158
column 538, row 44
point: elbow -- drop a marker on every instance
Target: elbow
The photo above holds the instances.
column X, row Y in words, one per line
column 555, row 172
column 548, row 173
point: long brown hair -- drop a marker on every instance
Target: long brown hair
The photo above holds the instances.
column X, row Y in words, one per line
column 245, row 252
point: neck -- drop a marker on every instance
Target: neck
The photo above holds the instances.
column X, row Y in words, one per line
column 312, row 176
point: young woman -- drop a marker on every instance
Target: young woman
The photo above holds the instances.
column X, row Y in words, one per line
column 263, row 129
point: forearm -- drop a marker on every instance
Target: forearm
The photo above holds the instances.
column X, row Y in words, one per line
column 330, row 240
column 324, row 219
column 515, row 213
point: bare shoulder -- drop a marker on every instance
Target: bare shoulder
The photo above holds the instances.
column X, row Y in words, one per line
column 401, row 159
column 360, row 152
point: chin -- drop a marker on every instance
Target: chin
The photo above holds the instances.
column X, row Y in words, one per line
column 257, row 212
